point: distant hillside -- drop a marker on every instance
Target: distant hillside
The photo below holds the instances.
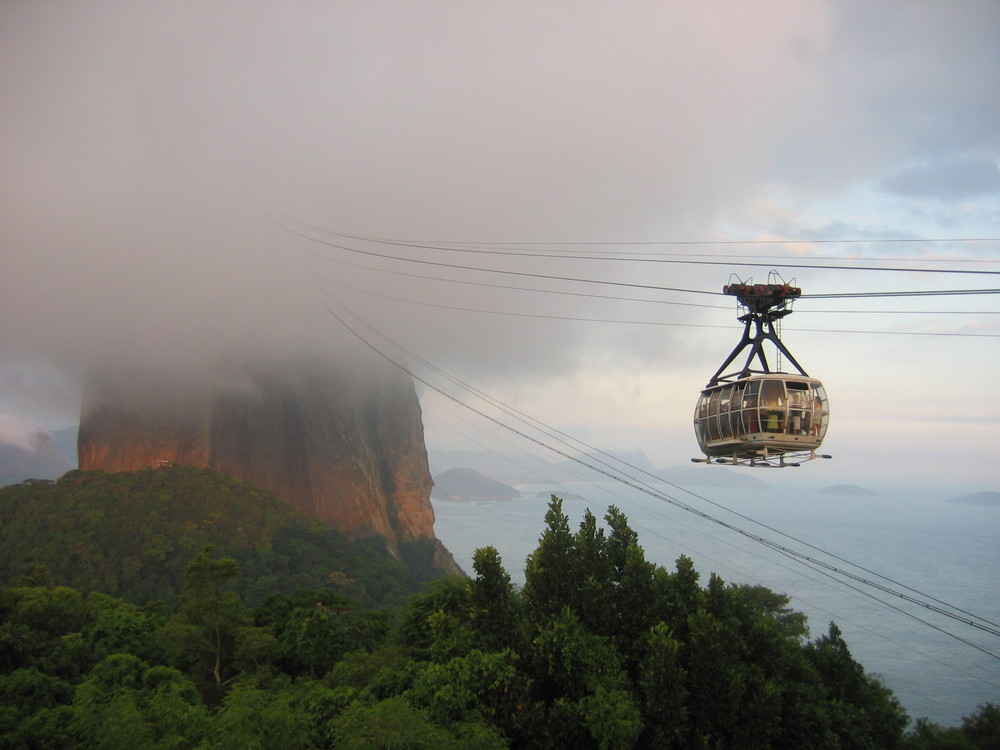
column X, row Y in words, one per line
column 468, row 485
column 986, row 499
column 528, row 468
column 130, row 534
column 494, row 465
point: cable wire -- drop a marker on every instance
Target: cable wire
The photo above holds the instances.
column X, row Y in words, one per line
column 652, row 287
column 463, row 248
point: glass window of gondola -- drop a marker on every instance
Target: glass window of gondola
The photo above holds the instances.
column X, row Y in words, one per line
column 713, row 403
column 820, row 411
column 772, row 394
column 798, row 407
column 772, row 405
column 725, row 405
column 798, row 393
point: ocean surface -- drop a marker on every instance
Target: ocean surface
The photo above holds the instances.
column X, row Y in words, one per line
column 916, row 538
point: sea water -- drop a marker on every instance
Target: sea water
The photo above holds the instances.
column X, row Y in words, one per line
column 939, row 549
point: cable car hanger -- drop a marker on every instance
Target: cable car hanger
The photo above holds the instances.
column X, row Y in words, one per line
column 765, row 304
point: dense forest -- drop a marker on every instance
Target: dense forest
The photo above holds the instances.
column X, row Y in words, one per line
column 598, row 649
column 130, row 534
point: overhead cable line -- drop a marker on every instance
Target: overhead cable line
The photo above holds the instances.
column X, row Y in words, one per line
column 590, row 295
column 639, row 243
column 653, row 287
column 456, row 248
column 957, row 614
column 926, row 293
column 560, row 292
column 670, row 324
column 525, row 274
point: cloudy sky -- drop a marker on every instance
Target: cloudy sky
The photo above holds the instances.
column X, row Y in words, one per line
column 503, row 189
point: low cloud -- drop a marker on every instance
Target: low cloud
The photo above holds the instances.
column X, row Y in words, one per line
column 154, row 157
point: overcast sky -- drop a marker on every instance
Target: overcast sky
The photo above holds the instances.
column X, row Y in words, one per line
column 177, row 180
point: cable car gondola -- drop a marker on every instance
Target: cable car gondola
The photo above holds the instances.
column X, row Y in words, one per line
column 758, row 417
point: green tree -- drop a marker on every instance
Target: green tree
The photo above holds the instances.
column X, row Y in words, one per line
column 551, row 581
column 315, row 639
column 475, row 688
column 574, row 673
column 662, row 689
column 257, row 718
column 126, row 703
column 394, row 723
column 33, row 707
column 119, row 627
column 775, row 605
column 202, row 635
column 864, row 713
column 430, row 624
column 983, row 727
column 927, row 735
column 495, row 610
column 42, row 628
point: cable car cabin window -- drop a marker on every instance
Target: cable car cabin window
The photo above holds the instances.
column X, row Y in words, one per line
column 772, row 403
column 713, row 404
column 772, row 393
column 712, row 422
column 736, row 410
column 820, row 411
column 725, row 403
column 713, row 428
column 798, row 393
column 798, row 407
column 751, row 423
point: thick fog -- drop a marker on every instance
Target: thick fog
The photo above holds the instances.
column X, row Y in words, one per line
column 177, row 178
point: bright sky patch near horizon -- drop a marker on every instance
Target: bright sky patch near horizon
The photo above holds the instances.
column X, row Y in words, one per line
column 176, row 177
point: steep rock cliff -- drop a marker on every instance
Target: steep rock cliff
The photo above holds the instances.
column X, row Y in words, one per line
column 343, row 444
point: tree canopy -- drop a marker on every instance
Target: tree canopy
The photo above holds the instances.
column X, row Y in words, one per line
column 130, row 534
column 598, row 649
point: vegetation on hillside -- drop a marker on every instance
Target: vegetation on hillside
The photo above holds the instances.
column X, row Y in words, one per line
column 599, row 649
column 130, row 534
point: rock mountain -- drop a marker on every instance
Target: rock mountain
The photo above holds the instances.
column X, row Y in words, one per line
column 344, row 444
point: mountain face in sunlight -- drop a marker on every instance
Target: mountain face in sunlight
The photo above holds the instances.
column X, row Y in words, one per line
column 344, row 444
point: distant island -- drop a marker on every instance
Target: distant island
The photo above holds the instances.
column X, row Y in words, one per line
column 468, row 485
column 984, row 499
column 848, row 489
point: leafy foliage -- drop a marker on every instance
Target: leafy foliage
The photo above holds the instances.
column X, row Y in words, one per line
column 600, row 649
column 130, row 534
column 979, row 731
